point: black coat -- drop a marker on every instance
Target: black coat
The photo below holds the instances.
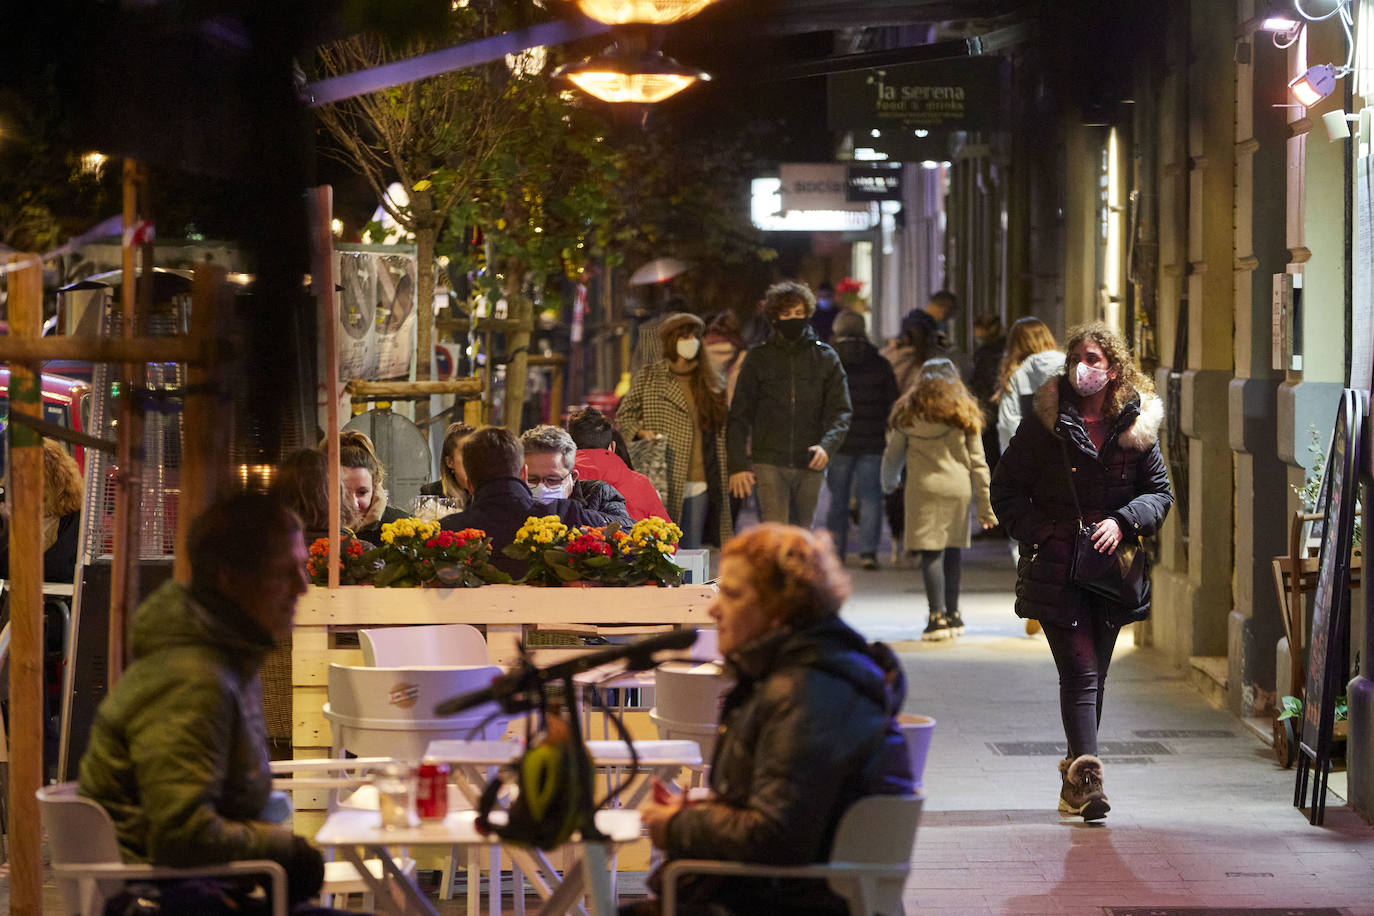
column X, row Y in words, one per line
column 1126, row 481
column 500, row 507
column 790, row 396
column 599, row 496
column 872, row 392
column 807, row 729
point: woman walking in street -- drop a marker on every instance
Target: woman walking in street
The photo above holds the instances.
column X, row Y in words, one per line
column 1091, row 447
column 937, row 437
column 682, row 397
column 872, row 391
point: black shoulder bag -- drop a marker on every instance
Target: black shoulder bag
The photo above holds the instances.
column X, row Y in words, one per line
column 1122, row 576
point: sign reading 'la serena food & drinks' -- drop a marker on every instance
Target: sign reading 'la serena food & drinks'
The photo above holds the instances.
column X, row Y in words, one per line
column 955, row 94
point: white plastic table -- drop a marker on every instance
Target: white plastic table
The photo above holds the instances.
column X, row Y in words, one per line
column 358, row 833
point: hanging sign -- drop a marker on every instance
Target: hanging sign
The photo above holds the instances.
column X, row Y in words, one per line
column 873, row 183
column 964, row 93
column 816, row 186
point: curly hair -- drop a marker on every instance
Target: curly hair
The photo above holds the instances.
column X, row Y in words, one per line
column 794, row 569
column 782, row 296
column 62, row 485
column 1130, row 381
column 1027, row 337
column 938, row 396
column 705, row 380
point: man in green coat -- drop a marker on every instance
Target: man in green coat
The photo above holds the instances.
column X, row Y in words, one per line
column 178, row 753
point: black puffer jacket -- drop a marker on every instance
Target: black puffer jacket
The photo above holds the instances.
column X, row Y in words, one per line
column 872, row 392
column 807, row 729
column 1127, row 481
column 790, row 396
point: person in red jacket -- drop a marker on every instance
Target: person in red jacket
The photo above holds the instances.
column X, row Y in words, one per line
column 597, row 460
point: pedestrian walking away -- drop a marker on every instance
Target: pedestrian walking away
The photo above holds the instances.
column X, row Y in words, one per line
column 1091, row 446
column 872, row 392
column 936, row 437
column 790, row 413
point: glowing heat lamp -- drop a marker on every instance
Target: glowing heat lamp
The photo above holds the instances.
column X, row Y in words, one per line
column 1314, row 85
column 645, row 78
column 647, row 12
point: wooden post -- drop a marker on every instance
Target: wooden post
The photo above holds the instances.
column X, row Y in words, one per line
column 205, row 435
column 129, row 456
column 521, row 310
column 322, row 274
column 26, row 601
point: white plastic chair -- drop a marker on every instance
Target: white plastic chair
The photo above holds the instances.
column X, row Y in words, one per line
column 437, row 644
column 87, row 865
column 687, row 700
column 868, row 862
column 389, row 712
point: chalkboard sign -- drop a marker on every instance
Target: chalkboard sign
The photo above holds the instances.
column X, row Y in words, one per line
column 1331, row 601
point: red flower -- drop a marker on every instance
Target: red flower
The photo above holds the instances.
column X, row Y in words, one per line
column 355, row 549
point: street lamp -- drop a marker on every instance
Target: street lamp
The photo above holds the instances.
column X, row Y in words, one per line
column 643, row 12
column 630, row 75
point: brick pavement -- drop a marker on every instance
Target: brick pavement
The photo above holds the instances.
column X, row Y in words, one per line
column 1201, row 818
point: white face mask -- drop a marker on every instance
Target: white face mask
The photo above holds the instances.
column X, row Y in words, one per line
column 1088, row 380
column 547, row 494
column 688, row 347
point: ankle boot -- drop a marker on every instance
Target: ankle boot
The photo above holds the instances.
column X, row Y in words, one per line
column 1082, row 792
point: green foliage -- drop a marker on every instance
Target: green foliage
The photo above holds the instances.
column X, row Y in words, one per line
column 1311, row 488
column 1291, row 708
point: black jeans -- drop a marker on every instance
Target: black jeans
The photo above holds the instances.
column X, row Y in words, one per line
column 942, row 570
column 1082, row 655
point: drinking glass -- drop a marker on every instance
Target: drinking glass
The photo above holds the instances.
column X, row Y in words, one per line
column 395, row 784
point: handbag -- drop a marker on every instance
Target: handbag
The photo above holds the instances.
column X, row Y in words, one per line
column 1122, row 576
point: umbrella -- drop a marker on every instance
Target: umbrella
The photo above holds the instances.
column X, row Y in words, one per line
column 658, row 270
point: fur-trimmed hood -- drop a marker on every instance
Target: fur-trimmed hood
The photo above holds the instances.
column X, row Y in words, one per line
column 376, row 510
column 1143, row 432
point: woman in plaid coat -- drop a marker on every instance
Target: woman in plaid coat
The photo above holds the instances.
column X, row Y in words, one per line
column 682, row 397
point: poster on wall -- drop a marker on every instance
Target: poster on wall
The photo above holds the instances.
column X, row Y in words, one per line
column 395, row 293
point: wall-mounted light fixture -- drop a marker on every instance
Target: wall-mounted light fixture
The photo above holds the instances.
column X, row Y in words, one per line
column 1313, row 85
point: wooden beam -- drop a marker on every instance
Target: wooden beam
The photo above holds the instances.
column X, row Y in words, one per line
column 26, row 604
column 462, row 387
column 108, row 349
column 327, row 310
column 205, row 437
column 129, row 455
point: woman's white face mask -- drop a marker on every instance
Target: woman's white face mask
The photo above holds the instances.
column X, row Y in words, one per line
column 689, row 347
column 1088, row 380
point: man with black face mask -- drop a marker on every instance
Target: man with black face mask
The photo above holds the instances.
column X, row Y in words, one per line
column 790, row 411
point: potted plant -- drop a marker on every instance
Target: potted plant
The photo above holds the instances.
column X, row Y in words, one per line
column 416, row 552
column 538, row 543
column 354, row 567
column 647, row 549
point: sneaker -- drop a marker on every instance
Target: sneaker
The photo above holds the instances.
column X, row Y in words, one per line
column 956, row 623
column 1032, row 627
column 1082, row 793
column 936, row 629
column 868, row 560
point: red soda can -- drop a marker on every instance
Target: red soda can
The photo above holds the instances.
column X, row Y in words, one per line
column 431, row 791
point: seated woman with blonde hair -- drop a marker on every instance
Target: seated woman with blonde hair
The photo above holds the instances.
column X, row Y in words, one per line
column 62, row 498
column 808, row 728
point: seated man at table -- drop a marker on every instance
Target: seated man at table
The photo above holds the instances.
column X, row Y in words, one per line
column 550, row 466
column 178, row 752
column 597, row 460
column 501, row 501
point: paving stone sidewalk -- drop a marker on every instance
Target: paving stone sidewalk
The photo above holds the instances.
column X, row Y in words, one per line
column 1201, row 818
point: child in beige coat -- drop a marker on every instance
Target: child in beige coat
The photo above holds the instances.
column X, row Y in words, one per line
column 936, row 436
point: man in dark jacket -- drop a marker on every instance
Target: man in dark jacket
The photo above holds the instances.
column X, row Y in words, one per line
column 790, row 412
column 178, row 752
column 858, row 466
column 495, row 463
column 923, row 327
column 551, row 471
